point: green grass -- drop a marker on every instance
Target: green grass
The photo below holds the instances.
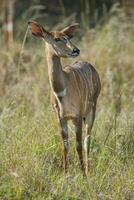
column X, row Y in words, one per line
column 30, row 143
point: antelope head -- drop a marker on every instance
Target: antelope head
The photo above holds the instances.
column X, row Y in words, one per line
column 58, row 42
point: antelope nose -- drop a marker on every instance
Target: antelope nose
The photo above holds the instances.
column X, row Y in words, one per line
column 76, row 50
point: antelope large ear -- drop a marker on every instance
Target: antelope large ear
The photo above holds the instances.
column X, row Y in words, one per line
column 36, row 29
column 71, row 30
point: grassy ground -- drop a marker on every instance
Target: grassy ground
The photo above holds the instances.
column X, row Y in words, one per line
column 30, row 145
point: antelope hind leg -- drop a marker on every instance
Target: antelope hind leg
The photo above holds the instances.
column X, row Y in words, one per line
column 88, row 126
column 78, row 130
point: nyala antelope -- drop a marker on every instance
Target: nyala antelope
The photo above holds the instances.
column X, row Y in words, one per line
column 75, row 88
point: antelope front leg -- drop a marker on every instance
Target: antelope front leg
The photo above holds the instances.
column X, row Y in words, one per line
column 78, row 130
column 64, row 135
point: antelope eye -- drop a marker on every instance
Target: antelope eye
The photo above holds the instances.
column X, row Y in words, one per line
column 65, row 40
column 57, row 39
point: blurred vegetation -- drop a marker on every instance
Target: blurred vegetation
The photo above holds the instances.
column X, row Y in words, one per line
column 87, row 12
column 30, row 145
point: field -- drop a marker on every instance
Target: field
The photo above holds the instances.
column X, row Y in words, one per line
column 30, row 143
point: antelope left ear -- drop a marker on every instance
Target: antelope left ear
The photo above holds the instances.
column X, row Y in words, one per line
column 71, row 30
column 36, row 29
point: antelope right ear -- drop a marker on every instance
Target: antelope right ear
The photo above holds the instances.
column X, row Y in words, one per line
column 36, row 29
column 71, row 30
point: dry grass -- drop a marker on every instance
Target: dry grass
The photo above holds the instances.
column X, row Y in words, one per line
column 30, row 147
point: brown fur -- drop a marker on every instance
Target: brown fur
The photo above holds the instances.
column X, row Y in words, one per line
column 75, row 89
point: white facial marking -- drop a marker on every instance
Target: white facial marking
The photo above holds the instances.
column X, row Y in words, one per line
column 69, row 45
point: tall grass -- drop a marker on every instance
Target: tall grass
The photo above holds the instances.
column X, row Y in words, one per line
column 30, row 146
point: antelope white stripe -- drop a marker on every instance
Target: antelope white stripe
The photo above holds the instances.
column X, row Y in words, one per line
column 62, row 93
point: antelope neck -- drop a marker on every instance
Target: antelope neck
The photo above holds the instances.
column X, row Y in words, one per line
column 57, row 76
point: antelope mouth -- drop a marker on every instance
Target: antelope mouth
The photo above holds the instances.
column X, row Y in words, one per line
column 73, row 54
